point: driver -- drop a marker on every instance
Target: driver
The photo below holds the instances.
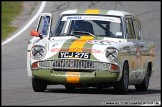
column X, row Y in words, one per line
column 79, row 25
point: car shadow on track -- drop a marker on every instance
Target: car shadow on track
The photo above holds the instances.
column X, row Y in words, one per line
column 103, row 91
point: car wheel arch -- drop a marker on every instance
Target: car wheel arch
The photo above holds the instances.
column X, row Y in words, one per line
column 149, row 66
column 121, row 68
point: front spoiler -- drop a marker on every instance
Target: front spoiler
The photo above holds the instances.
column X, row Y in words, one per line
column 64, row 77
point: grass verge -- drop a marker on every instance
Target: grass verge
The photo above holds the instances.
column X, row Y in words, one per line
column 9, row 11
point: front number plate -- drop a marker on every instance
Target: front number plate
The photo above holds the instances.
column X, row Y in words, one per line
column 74, row 55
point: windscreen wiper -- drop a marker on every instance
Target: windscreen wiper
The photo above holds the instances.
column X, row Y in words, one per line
column 83, row 32
column 67, row 34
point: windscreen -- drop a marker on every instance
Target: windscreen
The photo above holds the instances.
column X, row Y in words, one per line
column 98, row 25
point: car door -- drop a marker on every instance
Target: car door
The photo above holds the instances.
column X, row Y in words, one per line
column 144, row 47
column 135, row 50
column 44, row 24
column 140, row 48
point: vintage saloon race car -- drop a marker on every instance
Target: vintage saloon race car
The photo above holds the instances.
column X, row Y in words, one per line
column 90, row 48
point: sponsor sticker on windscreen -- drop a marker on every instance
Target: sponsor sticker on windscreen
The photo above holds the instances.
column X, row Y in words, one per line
column 102, row 18
column 118, row 33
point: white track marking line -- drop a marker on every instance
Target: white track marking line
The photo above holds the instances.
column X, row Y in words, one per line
column 27, row 25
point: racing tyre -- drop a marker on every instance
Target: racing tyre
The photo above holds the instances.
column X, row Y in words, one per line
column 38, row 85
column 145, row 83
column 121, row 87
column 70, row 87
column 99, row 87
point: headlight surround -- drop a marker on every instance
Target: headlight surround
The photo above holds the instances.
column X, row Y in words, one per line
column 38, row 52
column 111, row 53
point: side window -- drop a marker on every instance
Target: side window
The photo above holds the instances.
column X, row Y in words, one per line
column 43, row 25
column 129, row 29
column 137, row 29
column 61, row 25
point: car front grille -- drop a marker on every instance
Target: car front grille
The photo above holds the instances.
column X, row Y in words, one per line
column 73, row 64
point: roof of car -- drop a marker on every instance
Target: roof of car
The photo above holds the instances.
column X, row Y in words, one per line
column 97, row 11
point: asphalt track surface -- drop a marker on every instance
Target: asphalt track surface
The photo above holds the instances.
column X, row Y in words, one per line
column 16, row 88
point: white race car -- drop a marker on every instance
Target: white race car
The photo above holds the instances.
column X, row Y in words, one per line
column 90, row 48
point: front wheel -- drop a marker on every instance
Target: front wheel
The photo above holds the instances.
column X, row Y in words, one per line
column 70, row 87
column 121, row 87
column 38, row 85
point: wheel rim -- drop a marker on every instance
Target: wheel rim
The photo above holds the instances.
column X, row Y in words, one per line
column 147, row 79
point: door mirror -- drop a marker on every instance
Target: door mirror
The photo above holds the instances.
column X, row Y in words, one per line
column 35, row 34
column 118, row 34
